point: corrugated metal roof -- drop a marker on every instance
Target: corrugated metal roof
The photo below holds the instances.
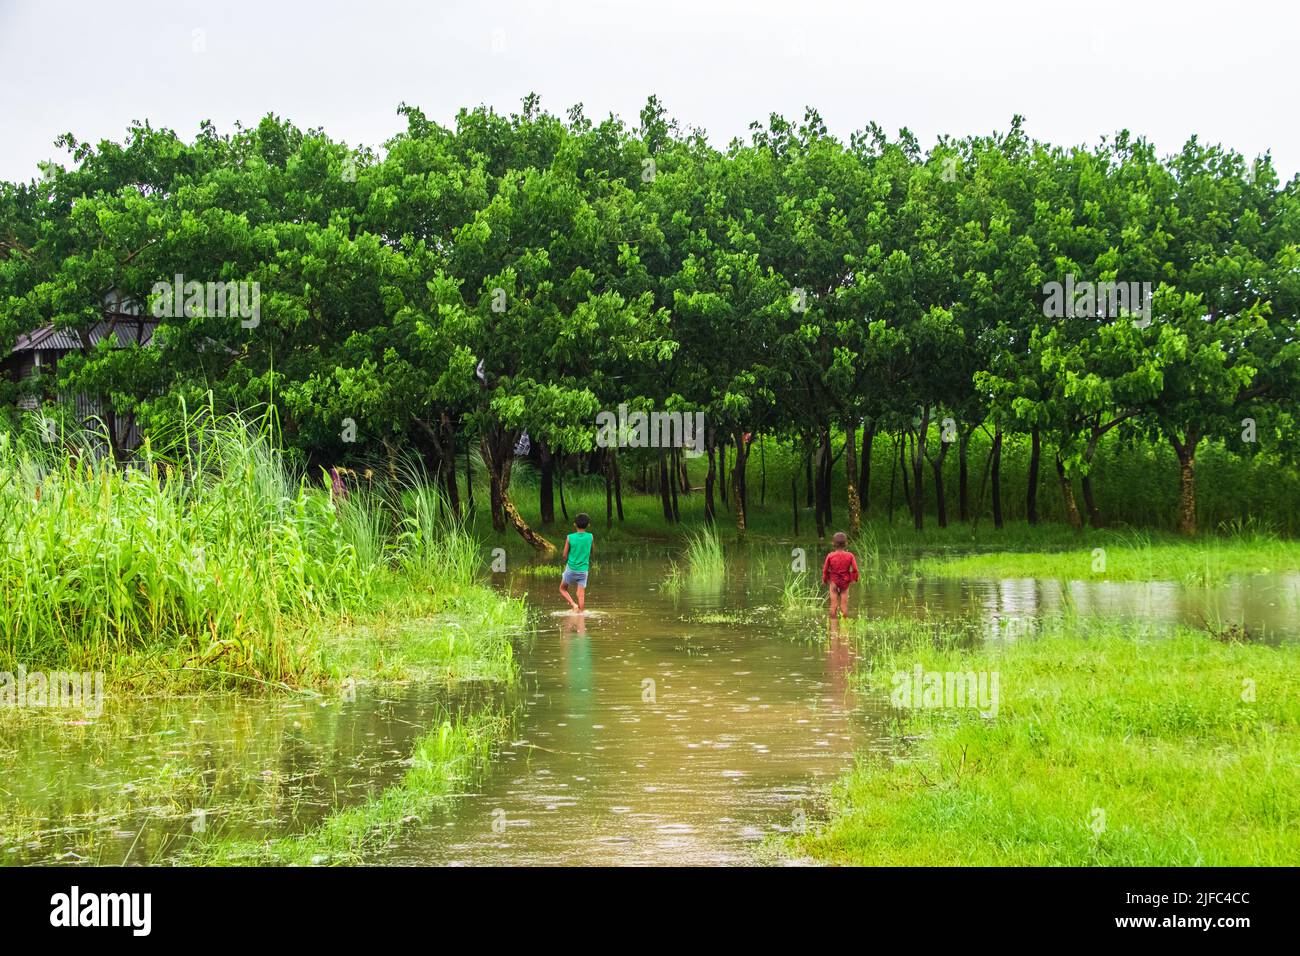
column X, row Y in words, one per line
column 128, row 329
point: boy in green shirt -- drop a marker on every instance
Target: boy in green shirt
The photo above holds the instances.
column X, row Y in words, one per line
column 577, row 558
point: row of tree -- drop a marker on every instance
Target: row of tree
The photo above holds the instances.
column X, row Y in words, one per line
column 517, row 275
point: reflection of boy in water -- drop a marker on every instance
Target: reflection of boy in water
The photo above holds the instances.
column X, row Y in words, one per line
column 573, row 623
column 839, row 664
column 839, row 571
column 575, row 647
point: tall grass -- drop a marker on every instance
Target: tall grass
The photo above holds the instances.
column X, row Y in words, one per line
column 432, row 542
column 206, row 554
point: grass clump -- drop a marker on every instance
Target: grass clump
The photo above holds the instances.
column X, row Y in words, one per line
column 799, row 597
column 704, row 555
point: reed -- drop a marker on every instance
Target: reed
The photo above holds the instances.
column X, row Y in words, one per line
column 209, row 554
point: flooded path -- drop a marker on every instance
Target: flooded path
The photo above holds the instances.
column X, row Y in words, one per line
column 664, row 728
column 660, row 730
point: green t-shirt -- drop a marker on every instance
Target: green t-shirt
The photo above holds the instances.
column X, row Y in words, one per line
column 579, row 550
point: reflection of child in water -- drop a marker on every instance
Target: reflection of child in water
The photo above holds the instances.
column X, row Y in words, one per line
column 573, row 623
column 839, row 571
column 839, row 664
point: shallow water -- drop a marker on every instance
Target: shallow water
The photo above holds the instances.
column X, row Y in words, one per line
column 662, row 728
column 659, row 733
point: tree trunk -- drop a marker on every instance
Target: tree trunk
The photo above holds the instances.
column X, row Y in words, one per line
column 1094, row 513
column 828, row 469
column 525, row 532
column 469, row 479
column 710, row 477
column 902, row 467
column 618, row 483
column 1186, row 451
column 546, row 488
column 893, row 475
column 1094, row 516
column 738, row 481
column 811, row 493
column 936, row 465
column 995, row 454
column 864, row 472
column 449, row 484
column 794, row 499
column 498, row 467
column 722, row 469
column 963, row 476
column 672, row 460
column 609, row 490
column 851, row 475
column 497, row 455
column 665, row 492
column 817, row 488
column 1031, row 491
column 1067, row 492
column 918, row 471
column 559, row 480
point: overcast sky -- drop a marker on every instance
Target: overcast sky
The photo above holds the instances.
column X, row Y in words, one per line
column 1075, row 70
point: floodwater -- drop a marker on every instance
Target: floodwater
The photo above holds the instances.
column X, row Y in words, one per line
column 663, row 728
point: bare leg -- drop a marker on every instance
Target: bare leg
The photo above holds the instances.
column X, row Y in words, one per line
column 834, row 600
column 564, row 590
column 582, row 598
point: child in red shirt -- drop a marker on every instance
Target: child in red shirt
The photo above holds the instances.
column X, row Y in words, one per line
column 839, row 571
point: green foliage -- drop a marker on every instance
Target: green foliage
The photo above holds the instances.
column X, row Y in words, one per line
column 511, row 275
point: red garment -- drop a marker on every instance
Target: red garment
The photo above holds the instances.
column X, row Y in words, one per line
column 840, row 569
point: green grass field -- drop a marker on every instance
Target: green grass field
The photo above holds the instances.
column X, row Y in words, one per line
column 1111, row 745
column 1131, row 557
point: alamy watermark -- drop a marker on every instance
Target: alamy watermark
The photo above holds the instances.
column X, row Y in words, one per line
column 935, row 690
column 68, row 690
column 242, row 300
column 626, row 429
column 1101, row 300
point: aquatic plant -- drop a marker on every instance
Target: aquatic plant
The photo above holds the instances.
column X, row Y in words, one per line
column 799, row 596
column 445, row 760
column 704, row 555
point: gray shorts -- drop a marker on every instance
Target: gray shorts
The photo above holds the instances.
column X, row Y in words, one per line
column 575, row 577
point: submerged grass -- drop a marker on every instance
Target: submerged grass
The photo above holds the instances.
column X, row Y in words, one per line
column 1114, row 745
column 800, row 597
column 464, row 634
column 445, row 760
column 673, row 580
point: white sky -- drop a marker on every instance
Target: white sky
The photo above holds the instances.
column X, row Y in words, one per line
column 1076, row 70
